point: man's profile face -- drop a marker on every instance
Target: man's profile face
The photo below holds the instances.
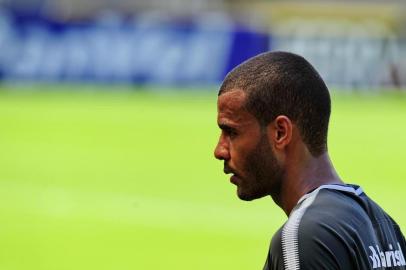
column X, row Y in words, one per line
column 245, row 149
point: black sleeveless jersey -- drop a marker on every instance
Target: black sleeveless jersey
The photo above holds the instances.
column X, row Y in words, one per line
column 337, row 227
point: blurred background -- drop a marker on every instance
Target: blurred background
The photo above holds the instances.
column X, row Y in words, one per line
column 108, row 124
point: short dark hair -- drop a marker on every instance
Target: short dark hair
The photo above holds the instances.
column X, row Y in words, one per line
column 283, row 83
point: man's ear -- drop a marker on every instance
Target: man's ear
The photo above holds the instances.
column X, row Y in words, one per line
column 280, row 132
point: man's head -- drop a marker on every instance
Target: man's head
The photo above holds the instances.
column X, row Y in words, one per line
column 261, row 103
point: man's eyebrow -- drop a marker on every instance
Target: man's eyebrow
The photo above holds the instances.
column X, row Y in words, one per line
column 224, row 126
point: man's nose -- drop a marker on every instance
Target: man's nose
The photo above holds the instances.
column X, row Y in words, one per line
column 221, row 151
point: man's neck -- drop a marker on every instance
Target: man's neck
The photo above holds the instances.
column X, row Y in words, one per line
column 303, row 175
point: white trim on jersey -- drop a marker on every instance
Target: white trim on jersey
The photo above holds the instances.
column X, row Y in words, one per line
column 349, row 189
column 290, row 239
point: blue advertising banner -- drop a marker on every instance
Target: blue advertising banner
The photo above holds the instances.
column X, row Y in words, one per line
column 112, row 48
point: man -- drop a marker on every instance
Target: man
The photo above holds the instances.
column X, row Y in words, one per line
column 273, row 112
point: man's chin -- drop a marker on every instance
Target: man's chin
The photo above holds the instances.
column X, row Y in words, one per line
column 248, row 196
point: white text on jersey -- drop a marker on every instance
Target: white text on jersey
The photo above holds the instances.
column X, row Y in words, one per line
column 389, row 258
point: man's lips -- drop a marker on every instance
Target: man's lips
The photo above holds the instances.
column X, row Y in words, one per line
column 227, row 169
column 234, row 177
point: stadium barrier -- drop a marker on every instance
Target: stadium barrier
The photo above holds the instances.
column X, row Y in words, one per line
column 143, row 49
column 347, row 46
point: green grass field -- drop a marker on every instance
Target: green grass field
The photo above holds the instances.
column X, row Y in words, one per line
column 127, row 179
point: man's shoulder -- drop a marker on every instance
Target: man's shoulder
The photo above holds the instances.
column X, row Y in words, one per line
column 313, row 231
column 332, row 229
column 335, row 208
column 341, row 210
column 326, row 211
column 340, row 220
column 321, row 231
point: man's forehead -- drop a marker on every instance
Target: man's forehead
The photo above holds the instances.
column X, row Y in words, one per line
column 233, row 99
column 231, row 108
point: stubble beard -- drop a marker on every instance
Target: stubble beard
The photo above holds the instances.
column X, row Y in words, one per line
column 264, row 172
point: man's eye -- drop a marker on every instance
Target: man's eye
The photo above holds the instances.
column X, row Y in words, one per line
column 228, row 131
column 232, row 133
